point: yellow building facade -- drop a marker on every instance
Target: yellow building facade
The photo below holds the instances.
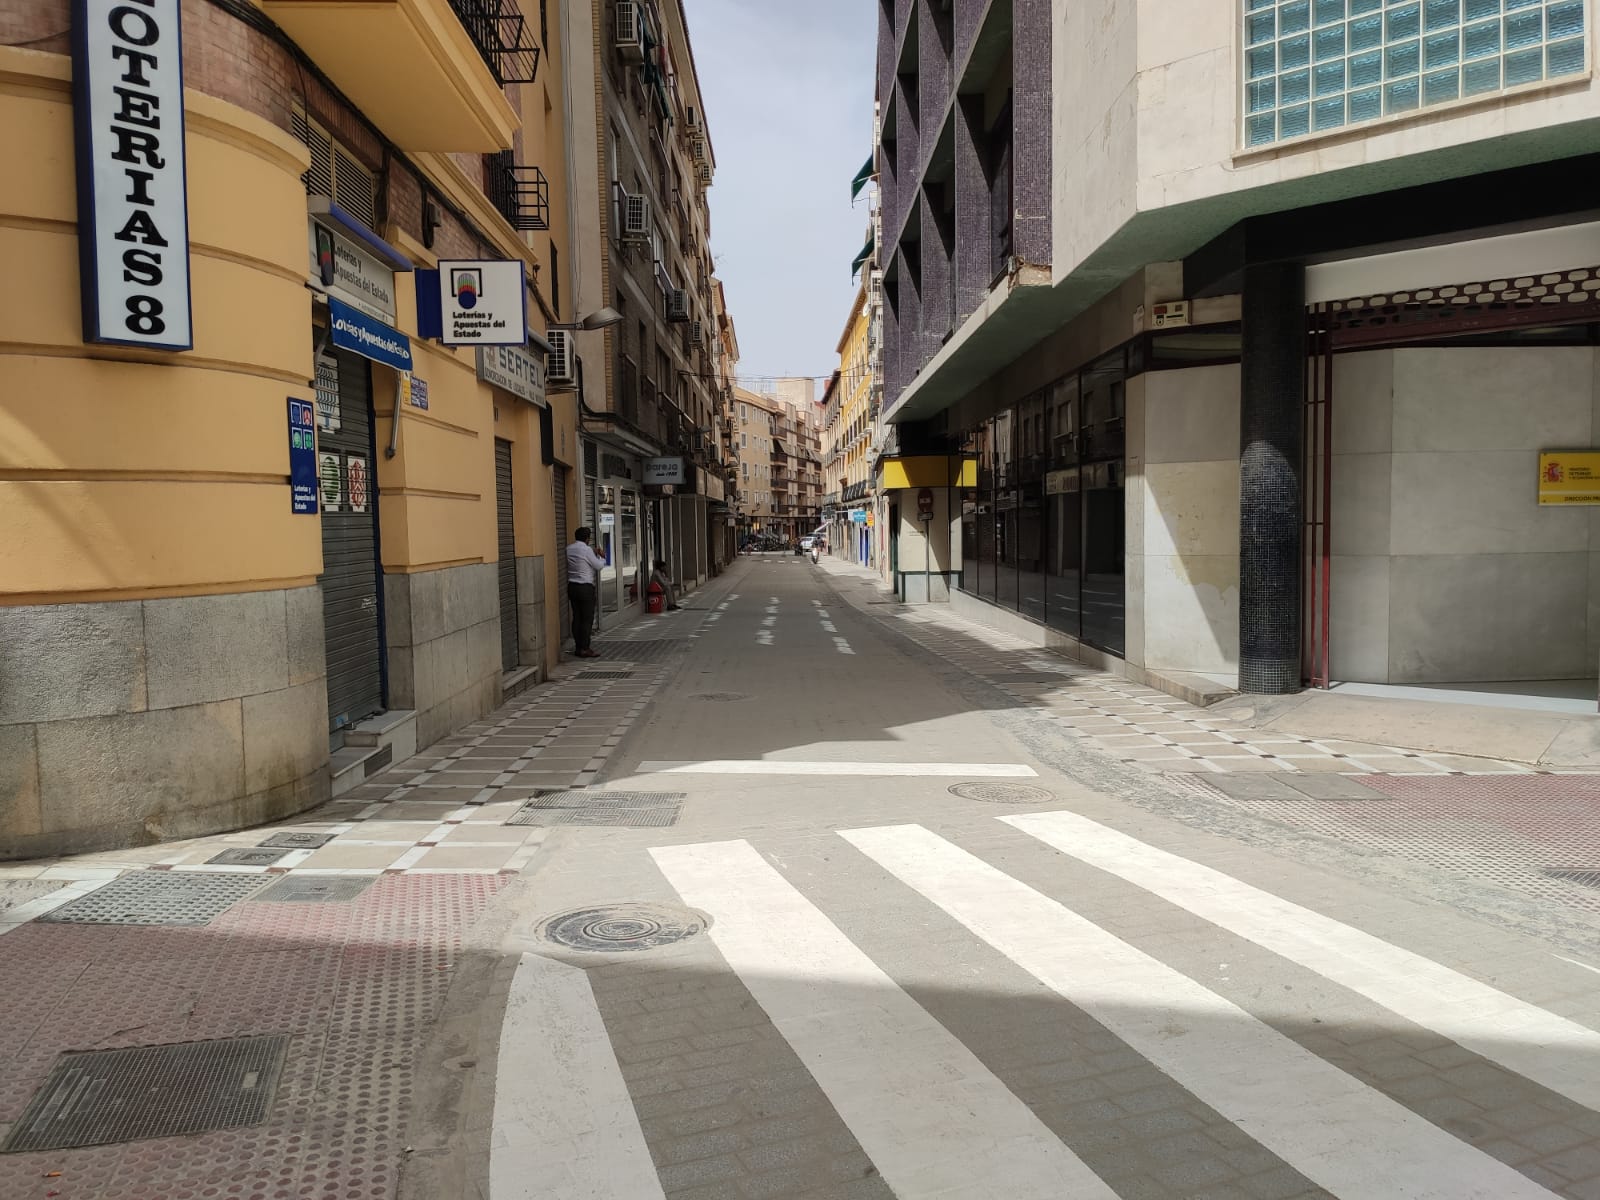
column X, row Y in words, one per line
column 180, row 650
column 848, row 436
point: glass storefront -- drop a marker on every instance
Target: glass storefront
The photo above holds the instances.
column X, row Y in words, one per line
column 1042, row 533
column 616, row 537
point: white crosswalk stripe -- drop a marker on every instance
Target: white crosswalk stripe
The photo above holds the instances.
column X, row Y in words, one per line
column 893, row 1073
column 1338, row 1132
column 1548, row 1049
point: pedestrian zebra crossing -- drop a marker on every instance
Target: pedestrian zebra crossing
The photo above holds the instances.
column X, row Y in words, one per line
column 939, row 1121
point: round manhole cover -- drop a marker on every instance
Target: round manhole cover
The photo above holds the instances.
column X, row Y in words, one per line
column 1001, row 793
column 719, row 697
column 621, row 927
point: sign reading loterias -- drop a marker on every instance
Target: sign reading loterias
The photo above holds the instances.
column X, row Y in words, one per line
column 483, row 303
column 133, row 220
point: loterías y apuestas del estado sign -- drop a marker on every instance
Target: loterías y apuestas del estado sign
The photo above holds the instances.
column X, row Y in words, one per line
column 133, row 220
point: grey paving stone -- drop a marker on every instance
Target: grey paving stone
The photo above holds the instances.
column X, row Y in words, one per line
column 678, row 1176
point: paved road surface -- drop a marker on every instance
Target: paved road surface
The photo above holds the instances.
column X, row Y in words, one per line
column 948, row 934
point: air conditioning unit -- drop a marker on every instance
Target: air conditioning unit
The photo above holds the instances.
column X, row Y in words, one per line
column 697, row 148
column 691, row 118
column 560, row 370
column 630, row 30
column 635, row 217
column 677, row 304
column 702, row 173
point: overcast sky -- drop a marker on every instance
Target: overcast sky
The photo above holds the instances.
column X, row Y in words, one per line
column 788, row 100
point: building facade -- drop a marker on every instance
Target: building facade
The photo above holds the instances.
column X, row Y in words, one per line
column 1209, row 332
column 265, row 533
column 848, row 440
column 655, row 484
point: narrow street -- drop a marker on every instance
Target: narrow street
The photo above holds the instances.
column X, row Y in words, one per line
column 797, row 893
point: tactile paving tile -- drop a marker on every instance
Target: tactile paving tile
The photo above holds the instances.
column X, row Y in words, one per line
column 99, row 1097
column 157, row 898
column 584, row 807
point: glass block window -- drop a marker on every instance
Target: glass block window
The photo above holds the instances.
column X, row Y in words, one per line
column 1317, row 65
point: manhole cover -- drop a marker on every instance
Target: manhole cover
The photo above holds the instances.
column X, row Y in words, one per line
column 311, row 889
column 585, row 806
column 157, row 898
column 99, row 1097
column 252, row 857
column 1001, row 793
column 605, row 675
column 617, row 927
column 719, row 697
column 1582, row 876
column 297, row 841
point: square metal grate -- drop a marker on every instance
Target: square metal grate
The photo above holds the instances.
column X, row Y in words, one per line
column 656, row 650
column 254, row 856
column 606, row 675
column 1588, row 877
column 584, row 807
column 157, row 898
column 297, row 841
column 312, row 889
column 101, row 1097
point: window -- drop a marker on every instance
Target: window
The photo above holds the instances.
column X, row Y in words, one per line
column 1315, row 65
column 744, row 439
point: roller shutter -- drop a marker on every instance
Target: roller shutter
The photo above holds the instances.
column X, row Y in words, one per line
column 350, row 605
column 505, row 513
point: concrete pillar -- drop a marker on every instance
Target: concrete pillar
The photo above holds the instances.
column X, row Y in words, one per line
column 1271, row 409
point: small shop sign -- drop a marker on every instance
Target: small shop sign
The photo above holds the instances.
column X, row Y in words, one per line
column 1569, row 477
column 303, row 456
column 474, row 302
column 659, row 472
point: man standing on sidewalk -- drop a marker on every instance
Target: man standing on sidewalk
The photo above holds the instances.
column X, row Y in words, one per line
column 583, row 571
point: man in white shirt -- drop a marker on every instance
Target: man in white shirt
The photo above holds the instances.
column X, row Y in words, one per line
column 583, row 573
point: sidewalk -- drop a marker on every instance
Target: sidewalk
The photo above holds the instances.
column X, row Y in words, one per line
column 328, row 942
column 1311, row 731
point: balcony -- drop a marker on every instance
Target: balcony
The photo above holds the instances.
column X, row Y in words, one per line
column 520, row 194
column 429, row 74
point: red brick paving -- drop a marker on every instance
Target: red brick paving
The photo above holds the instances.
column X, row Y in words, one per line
column 356, row 985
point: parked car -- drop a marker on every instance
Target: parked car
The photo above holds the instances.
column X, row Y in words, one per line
column 804, row 545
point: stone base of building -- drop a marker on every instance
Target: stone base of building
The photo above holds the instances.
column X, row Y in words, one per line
column 138, row 721
column 444, row 646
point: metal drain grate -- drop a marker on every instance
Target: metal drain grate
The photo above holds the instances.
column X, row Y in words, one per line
column 1001, row 793
column 605, row 675
column 297, row 841
column 719, row 697
column 1588, row 877
column 615, row 927
column 643, row 651
column 101, row 1097
column 250, row 857
column 586, row 807
column 157, row 898
column 312, row 889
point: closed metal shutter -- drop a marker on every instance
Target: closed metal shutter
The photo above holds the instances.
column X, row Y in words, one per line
column 559, row 477
column 349, row 579
column 507, row 567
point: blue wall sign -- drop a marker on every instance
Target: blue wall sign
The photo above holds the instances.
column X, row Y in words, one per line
column 303, row 455
column 369, row 337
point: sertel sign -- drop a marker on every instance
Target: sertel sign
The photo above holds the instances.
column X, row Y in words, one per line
column 133, row 219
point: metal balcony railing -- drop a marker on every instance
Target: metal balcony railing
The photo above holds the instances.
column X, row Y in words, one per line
column 521, row 194
column 502, row 37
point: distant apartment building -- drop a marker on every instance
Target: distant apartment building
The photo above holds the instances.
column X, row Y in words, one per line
column 849, row 420
column 1222, row 341
column 654, row 480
